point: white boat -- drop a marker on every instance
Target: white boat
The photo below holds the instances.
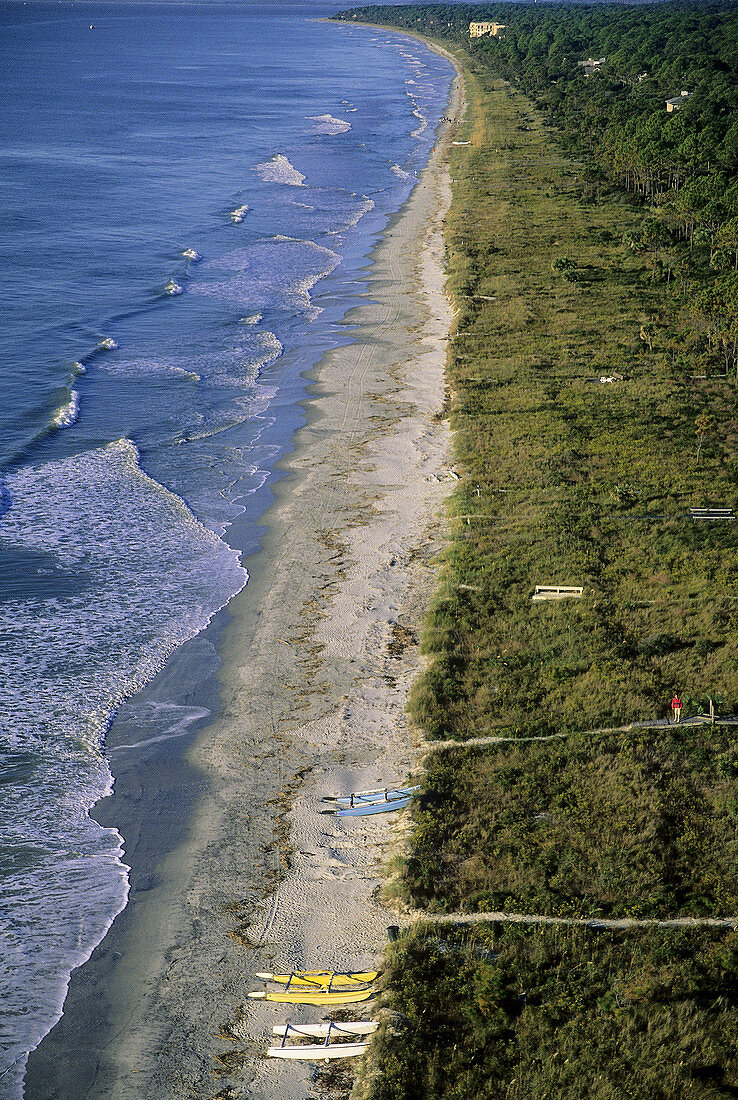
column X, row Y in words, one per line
column 319, row 1052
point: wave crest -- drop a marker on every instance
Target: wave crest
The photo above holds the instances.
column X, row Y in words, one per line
column 279, row 170
column 67, row 414
column 328, row 125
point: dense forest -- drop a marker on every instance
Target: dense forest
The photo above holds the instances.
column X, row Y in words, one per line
column 683, row 163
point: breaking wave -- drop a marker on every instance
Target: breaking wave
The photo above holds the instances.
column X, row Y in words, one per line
column 68, row 413
column 279, row 170
column 327, row 124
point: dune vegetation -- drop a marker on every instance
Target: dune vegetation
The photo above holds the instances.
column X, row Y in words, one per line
column 591, row 254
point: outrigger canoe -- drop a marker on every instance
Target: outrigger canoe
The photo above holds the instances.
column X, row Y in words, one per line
column 380, row 794
column 312, row 996
column 327, row 980
column 325, row 1051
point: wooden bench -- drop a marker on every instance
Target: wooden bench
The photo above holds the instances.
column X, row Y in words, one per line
column 557, row 592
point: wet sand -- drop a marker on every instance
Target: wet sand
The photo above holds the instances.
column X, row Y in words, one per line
column 234, row 868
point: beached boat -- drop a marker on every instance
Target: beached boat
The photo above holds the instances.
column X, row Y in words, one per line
column 327, row 980
column 319, row 1052
column 370, row 798
column 312, row 996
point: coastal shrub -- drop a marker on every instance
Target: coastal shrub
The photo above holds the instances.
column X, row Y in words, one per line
column 514, row 1011
column 639, row 823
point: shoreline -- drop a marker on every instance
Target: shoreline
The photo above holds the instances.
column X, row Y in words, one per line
column 312, row 702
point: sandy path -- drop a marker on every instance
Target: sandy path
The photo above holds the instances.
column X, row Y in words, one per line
column 317, row 663
column 419, row 917
column 653, row 723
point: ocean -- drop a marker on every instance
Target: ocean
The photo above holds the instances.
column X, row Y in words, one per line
column 190, row 194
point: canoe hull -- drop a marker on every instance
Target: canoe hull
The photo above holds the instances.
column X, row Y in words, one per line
column 317, row 1031
column 309, row 997
column 374, row 808
column 318, row 1053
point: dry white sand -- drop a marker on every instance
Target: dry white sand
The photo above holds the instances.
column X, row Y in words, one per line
column 313, row 703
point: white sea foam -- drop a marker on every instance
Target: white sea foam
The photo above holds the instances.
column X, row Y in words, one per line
column 279, row 170
column 79, row 368
column 172, row 289
column 355, row 217
column 252, row 319
column 247, row 363
column 68, row 413
column 327, row 124
column 178, row 722
column 107, row 344
column 278, row 272
column 115, row 523
column 423, row 125
column 136, row 576
column 400, row 172
column 239, row 214
column 190, row 254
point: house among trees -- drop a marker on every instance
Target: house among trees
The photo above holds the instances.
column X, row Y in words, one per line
column 675, row 103
column 591, row 65
column 479, row 30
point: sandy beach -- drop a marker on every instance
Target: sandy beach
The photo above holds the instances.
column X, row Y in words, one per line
column 317, row 661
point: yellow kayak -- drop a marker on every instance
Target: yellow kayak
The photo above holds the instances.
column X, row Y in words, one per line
column 322, row 979
column 312, row 997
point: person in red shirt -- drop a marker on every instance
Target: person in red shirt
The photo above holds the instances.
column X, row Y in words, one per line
column 676, row 708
